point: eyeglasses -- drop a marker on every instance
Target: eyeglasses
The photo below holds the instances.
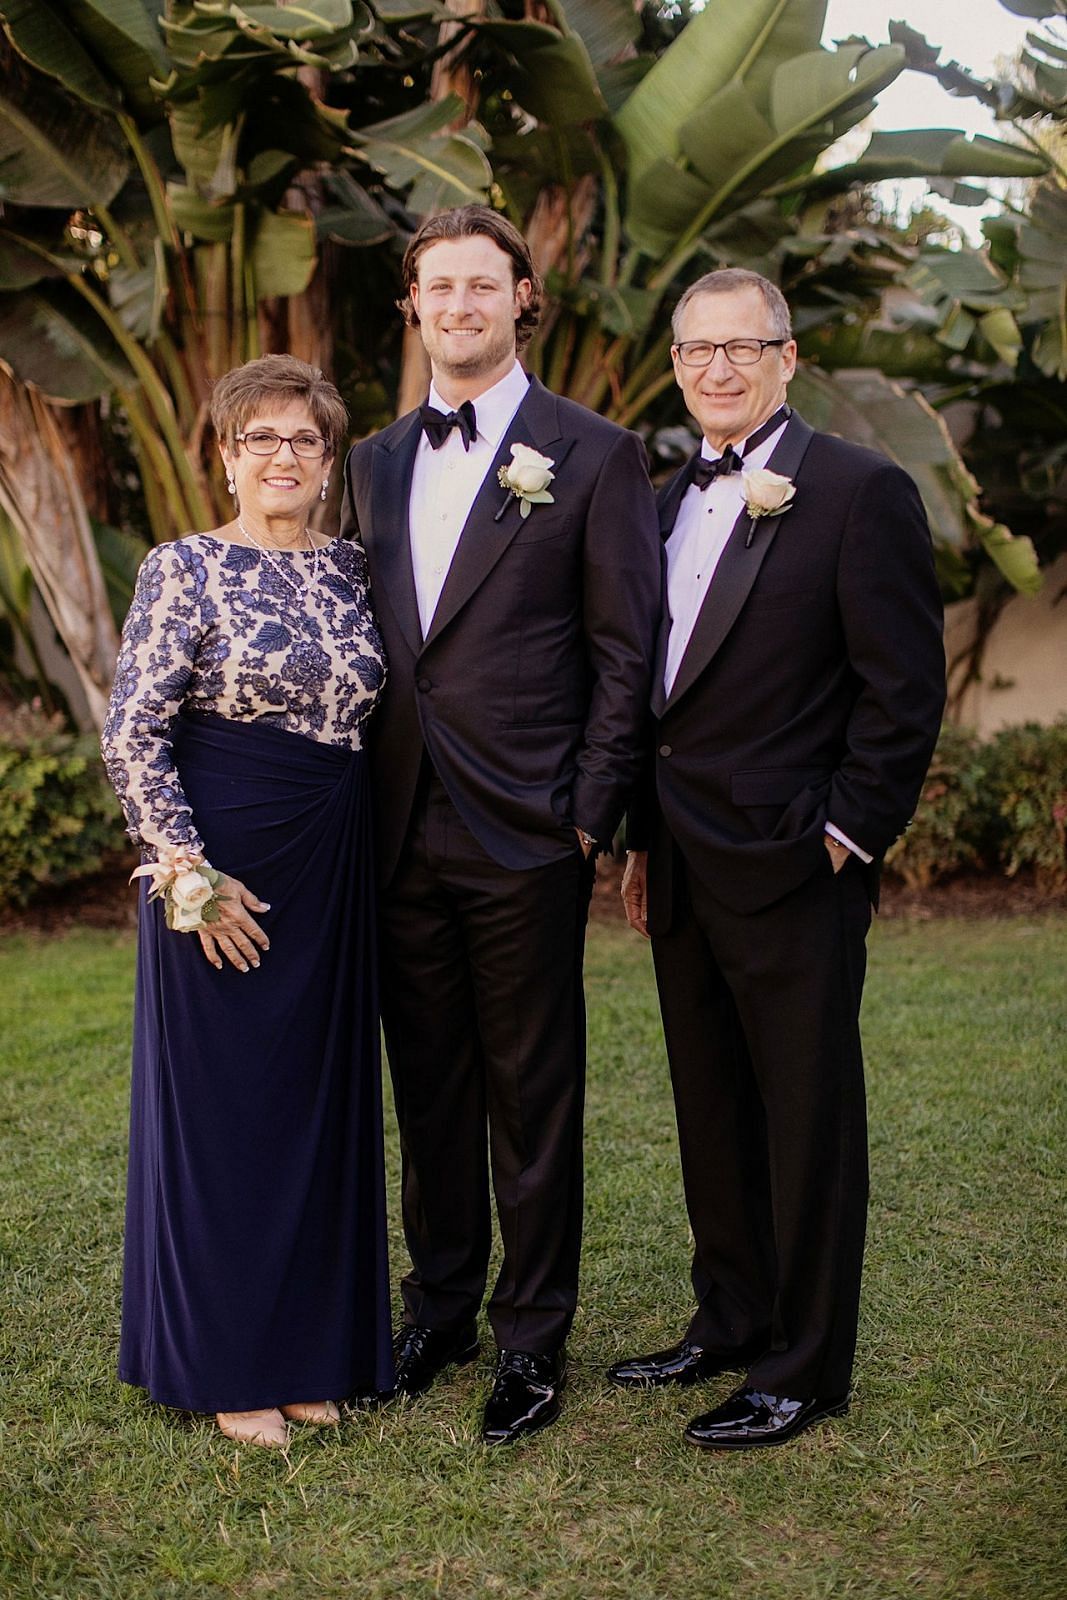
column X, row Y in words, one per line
column 738, row 352
column 262, row 443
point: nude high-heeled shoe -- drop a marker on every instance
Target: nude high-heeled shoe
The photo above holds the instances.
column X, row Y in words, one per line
column 322, row 1412
column 254, row 1427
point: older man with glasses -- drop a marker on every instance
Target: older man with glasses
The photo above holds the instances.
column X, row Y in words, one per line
column 797, row 697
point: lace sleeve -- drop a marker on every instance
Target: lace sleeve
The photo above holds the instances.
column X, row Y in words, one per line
column 160, row 638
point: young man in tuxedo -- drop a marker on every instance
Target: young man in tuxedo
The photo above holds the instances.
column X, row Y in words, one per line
column 519, row 620
column 797, row 698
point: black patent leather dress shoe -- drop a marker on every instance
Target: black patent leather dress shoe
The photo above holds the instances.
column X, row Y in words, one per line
column 419, row 1354
column 684, row 1362
column 750, row 1419
column 525, row 1397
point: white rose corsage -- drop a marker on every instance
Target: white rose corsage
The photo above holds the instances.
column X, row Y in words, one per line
column 767, row 494
column 188, row 886
column 526, row 479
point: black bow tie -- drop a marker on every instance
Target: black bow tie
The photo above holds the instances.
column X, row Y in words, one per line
column 437, row 425
column 705, row 471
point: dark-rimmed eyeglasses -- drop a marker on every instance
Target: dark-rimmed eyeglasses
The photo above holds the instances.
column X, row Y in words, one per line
column 261, row 442
column 738, row 352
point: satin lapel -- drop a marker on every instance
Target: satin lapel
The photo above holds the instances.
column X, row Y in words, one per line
column 739, row 566
column 484, row 539
column 668, row 501
column 388, row 540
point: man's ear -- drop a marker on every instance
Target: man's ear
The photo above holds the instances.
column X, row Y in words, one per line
column 523, row 291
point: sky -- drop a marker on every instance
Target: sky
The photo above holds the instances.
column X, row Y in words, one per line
column 973, row 32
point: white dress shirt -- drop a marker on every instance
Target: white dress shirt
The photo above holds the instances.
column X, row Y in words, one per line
column 445, row 483
column 700, row 535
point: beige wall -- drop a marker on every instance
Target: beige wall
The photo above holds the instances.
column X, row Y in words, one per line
column 1024, row 669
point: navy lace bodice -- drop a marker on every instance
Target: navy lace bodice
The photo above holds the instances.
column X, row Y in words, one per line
column 215, row 627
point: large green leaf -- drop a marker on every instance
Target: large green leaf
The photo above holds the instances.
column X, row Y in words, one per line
column 20, row 263
column 924, row 153
column 49, row 337
column 283, row 253
column 355, row 218
column 1043, row 276
column 56, row 150
column 606, row 27
column 321, row 33
column 204, row 219
column 98, row 49
column 747, row 39
column 968, row 295
column 46, row 40
column 415, row 151
column 735, row 150
column 869, row 409
column 1036, row 8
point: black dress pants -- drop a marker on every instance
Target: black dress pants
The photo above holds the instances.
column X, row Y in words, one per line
column 484, row 1016
column 761, row 1016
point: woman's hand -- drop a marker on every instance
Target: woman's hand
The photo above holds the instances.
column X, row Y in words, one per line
column 236, row 935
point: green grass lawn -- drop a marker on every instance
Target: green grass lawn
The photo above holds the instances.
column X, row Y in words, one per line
column 948, row 1478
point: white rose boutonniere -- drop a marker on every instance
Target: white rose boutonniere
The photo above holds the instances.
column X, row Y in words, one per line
column 526, row 479
column 766, row 493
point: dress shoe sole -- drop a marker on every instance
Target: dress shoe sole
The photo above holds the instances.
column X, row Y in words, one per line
column 783, row 1436
column 461, row 1358
column 523, row 1433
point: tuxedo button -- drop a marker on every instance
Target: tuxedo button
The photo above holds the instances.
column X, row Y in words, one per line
column 424, row 685
column 665, row 750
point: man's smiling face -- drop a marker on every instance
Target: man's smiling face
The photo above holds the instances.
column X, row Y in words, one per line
column 729, row 401
column 467, row 302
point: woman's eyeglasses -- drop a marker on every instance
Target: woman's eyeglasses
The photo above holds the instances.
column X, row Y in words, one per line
column 263, row 443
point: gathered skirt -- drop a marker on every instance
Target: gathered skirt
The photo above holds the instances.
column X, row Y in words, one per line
column 256, row 1271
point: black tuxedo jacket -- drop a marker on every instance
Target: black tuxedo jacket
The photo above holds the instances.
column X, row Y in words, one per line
column 811, row 689
column 530, row 690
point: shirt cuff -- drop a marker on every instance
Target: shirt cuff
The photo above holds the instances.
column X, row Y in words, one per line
column 843, row 838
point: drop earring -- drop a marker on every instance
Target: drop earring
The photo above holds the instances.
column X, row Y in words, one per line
column 325, row 486
column 231, row 483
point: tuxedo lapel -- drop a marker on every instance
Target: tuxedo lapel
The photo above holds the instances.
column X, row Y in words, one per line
column 745, row 552
column 387, row 538
column 667, row 502
column 485, row 538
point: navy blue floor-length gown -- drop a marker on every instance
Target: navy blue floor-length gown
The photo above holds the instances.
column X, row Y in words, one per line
column 255, row 1267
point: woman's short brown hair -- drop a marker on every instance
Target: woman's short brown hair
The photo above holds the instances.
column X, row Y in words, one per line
column 242, row 393
column 467, row 222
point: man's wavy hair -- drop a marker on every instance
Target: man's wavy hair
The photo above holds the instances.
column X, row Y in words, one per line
column 467, row 222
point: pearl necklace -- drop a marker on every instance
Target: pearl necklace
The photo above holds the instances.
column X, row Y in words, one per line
column 295, row 582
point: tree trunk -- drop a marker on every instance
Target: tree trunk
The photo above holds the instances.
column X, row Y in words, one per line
column 40, row 493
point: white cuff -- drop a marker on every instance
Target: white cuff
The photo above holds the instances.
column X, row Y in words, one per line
column 843, row 838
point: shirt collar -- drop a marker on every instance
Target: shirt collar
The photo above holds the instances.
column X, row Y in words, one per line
column 764, row 448
column 495, row 408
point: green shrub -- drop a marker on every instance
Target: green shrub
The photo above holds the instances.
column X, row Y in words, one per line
column 59, row 819
column 953, row 822
column 1028, row 786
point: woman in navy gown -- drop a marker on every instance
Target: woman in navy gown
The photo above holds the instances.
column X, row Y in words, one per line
column 256, row 1280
